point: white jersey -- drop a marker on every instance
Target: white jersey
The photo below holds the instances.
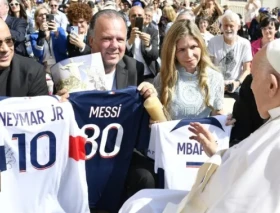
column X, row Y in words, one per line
column 45, row 168
column 180, row 157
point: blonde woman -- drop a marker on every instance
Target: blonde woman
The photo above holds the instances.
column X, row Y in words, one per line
column 166, row 20
column 188, row 84
column 49, row 43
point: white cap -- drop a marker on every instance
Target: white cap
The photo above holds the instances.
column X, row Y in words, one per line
column 273, row 54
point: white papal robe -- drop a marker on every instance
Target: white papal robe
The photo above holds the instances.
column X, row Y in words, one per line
column 243, row 179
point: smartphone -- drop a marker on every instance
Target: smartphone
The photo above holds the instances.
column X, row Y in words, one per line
column 139, row 23
column 229, row 87
column 50, row 17
column 74, row 30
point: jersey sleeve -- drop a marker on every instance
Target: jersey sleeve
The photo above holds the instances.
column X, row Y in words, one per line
column 73, row 195
column 144, row 132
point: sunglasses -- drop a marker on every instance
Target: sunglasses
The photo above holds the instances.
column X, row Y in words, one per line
column 42, row 14
column 14, row 4
column 53, row 5
column 8, row 41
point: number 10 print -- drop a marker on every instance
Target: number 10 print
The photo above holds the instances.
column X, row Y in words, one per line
column 21, row 138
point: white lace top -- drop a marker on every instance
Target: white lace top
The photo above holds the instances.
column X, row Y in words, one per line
column 187, row 99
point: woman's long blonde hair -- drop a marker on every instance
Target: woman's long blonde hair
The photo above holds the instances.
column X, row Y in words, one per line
column 168, row 72
column 170, row 13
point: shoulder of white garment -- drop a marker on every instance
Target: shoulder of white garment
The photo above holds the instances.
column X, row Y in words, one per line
column 273, row 54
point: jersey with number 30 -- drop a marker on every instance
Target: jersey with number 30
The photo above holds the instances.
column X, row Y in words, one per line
column 116, row 122
column 45, row 167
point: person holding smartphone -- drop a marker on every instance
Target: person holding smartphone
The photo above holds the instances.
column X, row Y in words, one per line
column 142, row 43
column 47, row 37
column 79, row 15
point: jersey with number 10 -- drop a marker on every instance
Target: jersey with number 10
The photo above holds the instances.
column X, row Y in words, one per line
column 44, row 154
column 116, row 122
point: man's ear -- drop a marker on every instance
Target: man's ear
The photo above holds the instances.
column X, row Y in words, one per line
column 273, row 85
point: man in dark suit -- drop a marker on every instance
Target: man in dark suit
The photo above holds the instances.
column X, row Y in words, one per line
column 19, row 76
column 143, row 44
column 17, row 27
column 108, row 36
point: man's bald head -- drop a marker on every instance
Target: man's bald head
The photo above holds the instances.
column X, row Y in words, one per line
column 136, row 8
column 6, row 46
column 135, row 11
column 266, row 78
column 3, row 25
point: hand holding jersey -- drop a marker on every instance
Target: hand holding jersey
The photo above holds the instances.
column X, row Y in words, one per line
column 155, row 109
column 64, row 94
column 147, row 90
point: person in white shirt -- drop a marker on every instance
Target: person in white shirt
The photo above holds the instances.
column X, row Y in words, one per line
column 202, row 23
column 252, row 8
column 59, row 17
column 157, row 13
column 244, row 178
column 231, row 53
column 142, row 44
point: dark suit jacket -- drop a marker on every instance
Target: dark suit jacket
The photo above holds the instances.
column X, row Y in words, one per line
column 129, row 72
column 17, row 28
column 151, row 56
column 27, row 78
column 245, row 112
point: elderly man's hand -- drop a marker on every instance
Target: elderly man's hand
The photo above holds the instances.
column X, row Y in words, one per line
column 133, row 34
column 147, row 90
column 146, row 38
column 64, row 94
column 204, row 137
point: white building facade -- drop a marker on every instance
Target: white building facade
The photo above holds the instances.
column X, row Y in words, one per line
column 238, row 5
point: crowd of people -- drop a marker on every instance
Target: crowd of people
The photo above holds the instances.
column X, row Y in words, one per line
column 190, row 54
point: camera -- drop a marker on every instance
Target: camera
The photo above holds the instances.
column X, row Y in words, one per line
column 229, row 87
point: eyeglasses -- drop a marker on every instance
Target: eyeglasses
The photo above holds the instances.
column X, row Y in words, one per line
column 53, row 5
column 14, row 4
column 42, row 14
column 8, row 41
